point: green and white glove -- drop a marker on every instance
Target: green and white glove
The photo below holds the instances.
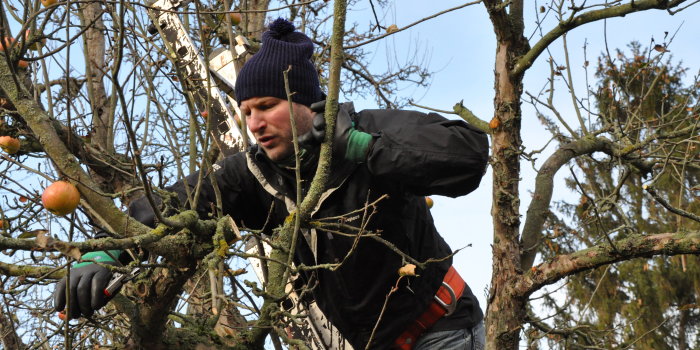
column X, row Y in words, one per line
column 87, row 284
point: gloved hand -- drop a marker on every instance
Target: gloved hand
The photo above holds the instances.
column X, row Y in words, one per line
column 349, row 143
column 87, row 283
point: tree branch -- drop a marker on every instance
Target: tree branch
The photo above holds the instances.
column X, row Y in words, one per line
column 410, row 25
column 544, row 183
column 567, row 25
column 67, row 164
column 31, row 271
column 636, row 246
column 471, row 118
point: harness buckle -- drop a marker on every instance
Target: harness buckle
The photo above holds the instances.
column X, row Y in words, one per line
column 452, row 306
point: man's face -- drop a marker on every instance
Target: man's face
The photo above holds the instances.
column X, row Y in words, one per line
column 268, row 120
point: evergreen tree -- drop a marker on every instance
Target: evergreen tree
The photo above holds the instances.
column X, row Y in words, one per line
column 640, row 303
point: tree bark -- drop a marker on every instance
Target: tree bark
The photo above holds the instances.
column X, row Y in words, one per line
column 502, row 331
column 253, row 23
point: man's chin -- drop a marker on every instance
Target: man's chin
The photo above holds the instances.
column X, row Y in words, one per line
column 276, row 156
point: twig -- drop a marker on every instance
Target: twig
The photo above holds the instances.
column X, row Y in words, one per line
column 668, row 206
column 431, row 108
column 412, row 24
column 381, row 314
column 297, row 171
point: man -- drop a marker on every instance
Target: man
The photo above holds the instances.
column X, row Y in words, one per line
column 405, row 155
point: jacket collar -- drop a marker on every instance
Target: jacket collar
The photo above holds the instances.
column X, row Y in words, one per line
column 279, row 180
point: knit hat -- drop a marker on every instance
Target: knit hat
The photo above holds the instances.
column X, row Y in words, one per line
column 263, row 74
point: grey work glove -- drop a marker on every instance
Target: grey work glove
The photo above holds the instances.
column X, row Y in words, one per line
column 348, row 143
column 87, row 284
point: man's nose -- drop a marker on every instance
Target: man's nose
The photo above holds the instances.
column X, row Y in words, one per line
column 255, row 122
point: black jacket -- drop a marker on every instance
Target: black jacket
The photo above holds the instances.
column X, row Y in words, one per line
column 413, row 155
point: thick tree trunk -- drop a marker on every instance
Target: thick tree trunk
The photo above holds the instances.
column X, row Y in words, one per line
column 254, row 21
column 102, row 124
column 103, row 108
column 158, row 295
column 506, row 310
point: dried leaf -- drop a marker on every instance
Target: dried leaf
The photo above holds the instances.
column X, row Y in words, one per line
column 237, row 272
column 68, row 249
column 42, row 240
column 407, row 270
column 661, row 48
column 392, row 28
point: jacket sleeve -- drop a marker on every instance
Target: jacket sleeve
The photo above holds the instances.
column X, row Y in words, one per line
column 227, row 175
column 425, row 153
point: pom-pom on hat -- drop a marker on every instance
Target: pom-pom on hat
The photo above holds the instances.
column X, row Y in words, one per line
column 263, row 74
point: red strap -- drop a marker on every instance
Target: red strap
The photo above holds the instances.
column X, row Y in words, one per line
column 434, row 312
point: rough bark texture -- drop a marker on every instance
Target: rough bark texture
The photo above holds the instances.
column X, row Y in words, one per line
column 102, row 124
column 503, row 330
column 604, row 254
column 254, row 15
column 159, row 295
column 114, row 175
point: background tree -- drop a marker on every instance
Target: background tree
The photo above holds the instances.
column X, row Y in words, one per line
column 650, row 304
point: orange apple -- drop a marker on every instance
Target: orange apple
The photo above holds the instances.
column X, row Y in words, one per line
column 48, row 3
column 429, row 202
column 236, row 18
column 61, row 198
column 9, row 144
column 22, row 64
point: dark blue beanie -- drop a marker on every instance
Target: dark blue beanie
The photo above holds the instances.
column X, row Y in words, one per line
column 263, row 74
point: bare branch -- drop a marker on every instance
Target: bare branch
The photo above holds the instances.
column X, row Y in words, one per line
column 595, row 15
column 636, row 246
